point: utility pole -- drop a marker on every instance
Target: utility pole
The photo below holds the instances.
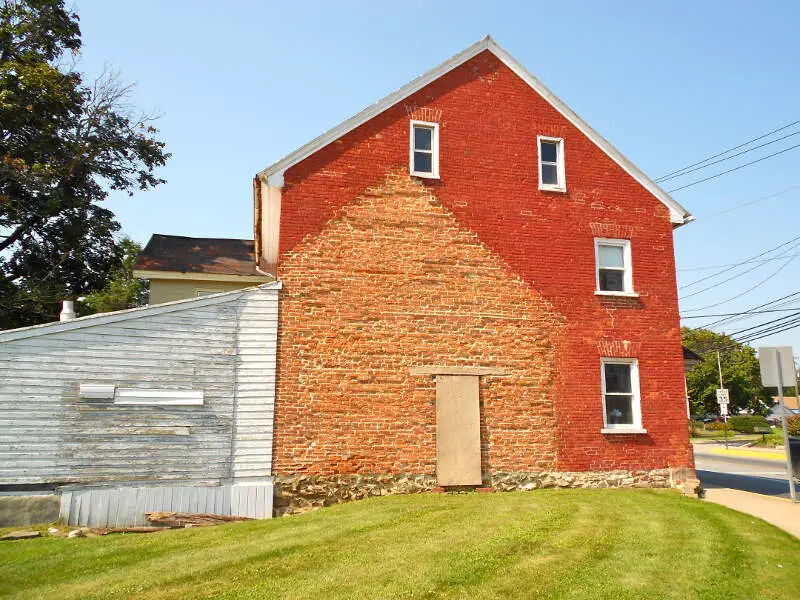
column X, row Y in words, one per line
column 725, row 416
column 772, row 376
column 789, row 470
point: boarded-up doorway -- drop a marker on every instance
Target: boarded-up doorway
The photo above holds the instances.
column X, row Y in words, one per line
column 458, row 430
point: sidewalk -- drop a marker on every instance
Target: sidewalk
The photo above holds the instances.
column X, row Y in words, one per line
column 778, row 511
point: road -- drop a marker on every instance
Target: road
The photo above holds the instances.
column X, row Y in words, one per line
column 761, row 476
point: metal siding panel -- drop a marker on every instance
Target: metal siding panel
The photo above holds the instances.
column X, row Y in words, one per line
column 112, row 512
column 227, row 502
column 64, row 508
column 194, row 496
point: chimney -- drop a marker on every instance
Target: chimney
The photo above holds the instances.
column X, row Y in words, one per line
column 267, row 204
column 68, row 311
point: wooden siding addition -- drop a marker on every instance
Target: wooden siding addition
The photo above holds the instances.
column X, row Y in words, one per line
column 220, row 349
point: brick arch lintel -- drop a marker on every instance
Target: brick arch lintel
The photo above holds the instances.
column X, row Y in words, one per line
column 618, row 348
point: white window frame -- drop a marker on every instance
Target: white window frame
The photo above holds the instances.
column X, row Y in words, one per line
column 627, row 280
column 562, row 178
column 636, row 400
column 434, row 150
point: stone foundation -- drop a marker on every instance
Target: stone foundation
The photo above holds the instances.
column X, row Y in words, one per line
column 506, row 482
column 303, row 493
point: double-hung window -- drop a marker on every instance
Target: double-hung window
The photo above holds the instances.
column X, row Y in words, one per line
column 551, row 164
column 614, row 274
column 621, row 403
column 424, row 149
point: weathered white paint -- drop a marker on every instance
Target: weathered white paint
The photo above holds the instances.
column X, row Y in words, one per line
column 142, row 397
column 222, row 346
column 96, row 391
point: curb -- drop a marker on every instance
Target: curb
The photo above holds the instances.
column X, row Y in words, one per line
column 750, row 454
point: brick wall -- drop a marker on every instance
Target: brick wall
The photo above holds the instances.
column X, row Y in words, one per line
column 367, row 292
column 394, row 282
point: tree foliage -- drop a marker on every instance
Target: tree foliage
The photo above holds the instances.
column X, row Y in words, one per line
column 123, row 289
column 64, row 146
column 740, row 373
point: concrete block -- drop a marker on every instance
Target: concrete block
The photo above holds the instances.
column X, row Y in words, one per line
column 28, row 510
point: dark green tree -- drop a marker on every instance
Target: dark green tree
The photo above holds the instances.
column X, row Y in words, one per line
column 65, row 144
column 123, row 289
column 740, row 373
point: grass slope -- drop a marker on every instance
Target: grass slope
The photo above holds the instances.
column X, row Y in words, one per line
column 545, row 544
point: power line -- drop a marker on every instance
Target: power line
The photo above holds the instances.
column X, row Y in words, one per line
column 753, row 336
column 765, row 323
column 748, row 290
column 742, row 205
column 748, row 260
column 757, row 335
column 731, row 278
column 760, row 331
column 663, row 177
column 776, row 308
column 744, row 262
column 774, row 303
column 775, row 141
column 736, row 314
column 752, row 162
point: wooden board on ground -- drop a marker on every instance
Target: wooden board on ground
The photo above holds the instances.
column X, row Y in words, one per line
column 180, row 519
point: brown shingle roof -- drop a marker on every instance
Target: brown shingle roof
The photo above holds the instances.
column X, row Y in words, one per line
column 198, row 255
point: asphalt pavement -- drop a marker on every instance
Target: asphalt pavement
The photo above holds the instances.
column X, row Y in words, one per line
column 747, row 473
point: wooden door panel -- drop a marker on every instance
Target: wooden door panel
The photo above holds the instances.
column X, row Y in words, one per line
column 458, row 430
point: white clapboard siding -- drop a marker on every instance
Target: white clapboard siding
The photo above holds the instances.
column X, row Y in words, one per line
column 251, row 451
column 217, row 451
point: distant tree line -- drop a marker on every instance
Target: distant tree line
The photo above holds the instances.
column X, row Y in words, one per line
column 65, row 144
column 740, row 373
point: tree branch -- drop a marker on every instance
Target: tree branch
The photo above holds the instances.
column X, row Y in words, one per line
column 20, row 231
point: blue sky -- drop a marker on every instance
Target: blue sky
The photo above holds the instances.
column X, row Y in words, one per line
column 240, row 84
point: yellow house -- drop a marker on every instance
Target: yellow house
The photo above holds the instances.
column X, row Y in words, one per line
column 181, row 267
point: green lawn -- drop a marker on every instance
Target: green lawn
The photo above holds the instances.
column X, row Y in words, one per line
column 619, row 543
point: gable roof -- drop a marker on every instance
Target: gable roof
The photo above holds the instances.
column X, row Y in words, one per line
column 218, row 256
column 274, row 173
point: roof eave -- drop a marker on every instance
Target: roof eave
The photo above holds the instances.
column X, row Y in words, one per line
column 200, row 276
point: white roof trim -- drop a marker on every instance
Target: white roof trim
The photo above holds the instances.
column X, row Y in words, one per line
column 131, row 313
column 274, row 173
column 192, row 276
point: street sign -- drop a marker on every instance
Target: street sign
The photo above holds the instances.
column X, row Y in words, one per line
column 723, row 398
column 768, row 358
column 777, row 370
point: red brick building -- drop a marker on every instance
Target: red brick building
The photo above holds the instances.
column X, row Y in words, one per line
column 478, row 289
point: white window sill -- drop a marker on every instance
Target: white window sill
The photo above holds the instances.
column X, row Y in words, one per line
column 624, row 430
column 622, row 294
column 425, row 175
column 552, row 188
